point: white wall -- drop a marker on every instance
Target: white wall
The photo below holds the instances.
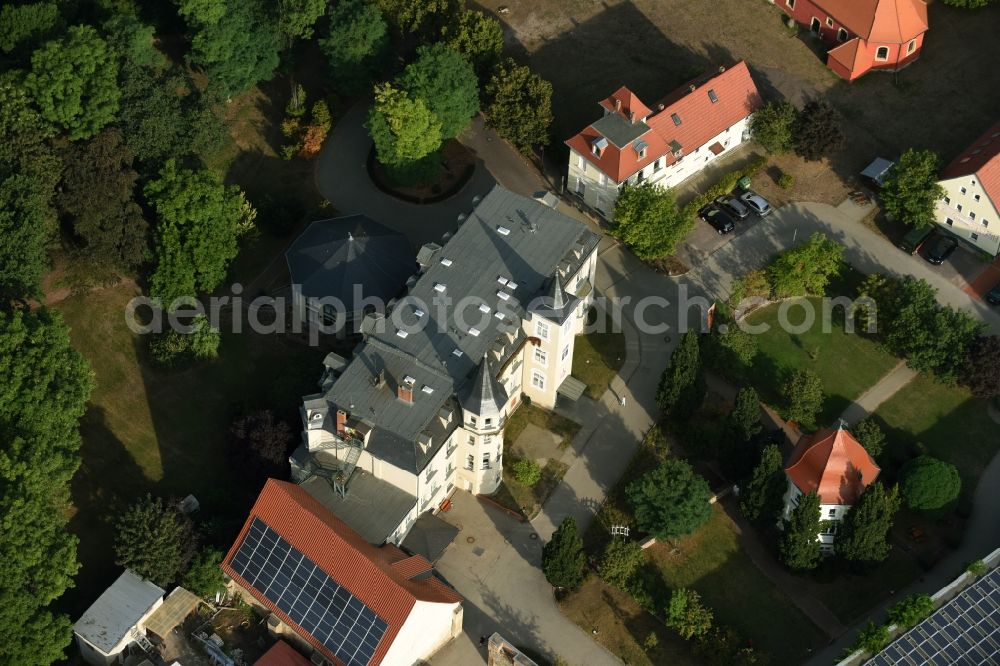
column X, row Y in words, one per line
column 828, row 513
column 426, row 630
column 968, row 223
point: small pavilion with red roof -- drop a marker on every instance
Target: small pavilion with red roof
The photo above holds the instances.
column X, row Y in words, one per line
column 834, row 465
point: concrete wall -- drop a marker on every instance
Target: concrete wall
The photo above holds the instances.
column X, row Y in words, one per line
column 978, row 222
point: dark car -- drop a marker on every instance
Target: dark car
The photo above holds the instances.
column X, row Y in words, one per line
column 993, row 295
column 720, row 220
column 734, row 207
column 940, row 249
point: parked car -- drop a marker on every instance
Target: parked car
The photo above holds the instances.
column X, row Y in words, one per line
column 915, row 239
column 993, row 295
column 757, row 203
column 733, row 206
column 720, row 220
column 939, row 249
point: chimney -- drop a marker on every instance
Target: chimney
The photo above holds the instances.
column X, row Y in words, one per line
column 405, row 390
column 618, row 105
column 722, row 68
column 341, row 421
column 631, row 116
column 379, row 380
column 692, row 87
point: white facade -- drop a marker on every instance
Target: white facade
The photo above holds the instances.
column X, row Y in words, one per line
column 427, row 629
column 115, row 620
column 968, row 212
column 831, row 516
column 599, row 191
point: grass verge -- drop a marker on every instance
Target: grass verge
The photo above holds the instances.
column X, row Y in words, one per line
column 597, row 358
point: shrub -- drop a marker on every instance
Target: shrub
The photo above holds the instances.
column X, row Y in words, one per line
column 155, row 540
column 686, row 614
column 259, row 442
column 172, row 349
column 620, row 562
column 872, row 638
column 527, row 472
column 773, row 126
column 803, row 393
column 869, row 434
column 911, row 610
column 785, row 181
column 976, row 567
column 724, row 185
column 563, row 557
column 204, row 578
column 930, row 483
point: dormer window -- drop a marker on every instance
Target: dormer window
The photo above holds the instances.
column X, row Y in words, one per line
column 712, row 96
column 640, row 148
column 599, row 145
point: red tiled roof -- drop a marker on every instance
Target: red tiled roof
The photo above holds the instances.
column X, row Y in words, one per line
column 282, row 654
column 412, row 566
column 834, row 465
column 851, row 56
column 880, row 21
column 701, row 119
column 983, row 159
column 364, row 570
column 630, row 103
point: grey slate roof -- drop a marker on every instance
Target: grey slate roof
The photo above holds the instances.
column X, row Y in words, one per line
column 429, row 536
column 372, row 508
column 331, row 256
column 620, row 131
column 476, row 258
column 484, row 390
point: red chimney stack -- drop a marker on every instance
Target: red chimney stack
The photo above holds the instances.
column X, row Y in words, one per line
column 341, row 421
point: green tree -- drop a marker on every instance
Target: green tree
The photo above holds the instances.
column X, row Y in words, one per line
column 520, row 105
column 735, row 347
column 563, row 557
column 761, row 500
column 205, row 578
column 682, row 386
column 155, row 540
column 799, row 541
column 296, row 18
column 864, row 533
column 744, row 420
column 648, row 221
column 23, row 25
column 133, row 41
column 235, row 41
column 424, row 16
column 872, row 638
column 157, row 111
column 446, row 83
column 44, row 387
column 929, row 483
column 357, row 43
column 259, row 443
column 620, row 562
column 911, row 611
column 478, row 37
column 527, row 472
column 773, row 126
column 198, row 224
column 803, row 394
column 97, row 194
column 817, row 131
column 74, row 81
column 671, row 500
column 981, row 370
column 869, row 434
column 970, row 4
column 687, row 614
column 806, row 270
column 406, row 133
column 911, row 189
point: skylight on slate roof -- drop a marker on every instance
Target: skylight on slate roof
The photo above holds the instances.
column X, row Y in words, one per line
column 502, row 280
column 445, row 261
column 456, row 352
column 474, row 332
column 427, row 389
column 401, row 333
column 503, row 231
column 503, row 295
column 484, row 308
column 418, row 312
column 440, row 287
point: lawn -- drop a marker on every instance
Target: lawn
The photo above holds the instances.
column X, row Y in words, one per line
column 597, row 358
column 151, row 431
column 947, row 420
column 847, row 363
column 550, row 421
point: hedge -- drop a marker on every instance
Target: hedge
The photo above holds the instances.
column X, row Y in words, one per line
column 725, row 185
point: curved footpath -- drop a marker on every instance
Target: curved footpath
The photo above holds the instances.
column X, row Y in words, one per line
column 498, row 571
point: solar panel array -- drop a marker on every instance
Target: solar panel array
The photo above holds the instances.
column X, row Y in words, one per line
column 966, row 630
column 307, row 595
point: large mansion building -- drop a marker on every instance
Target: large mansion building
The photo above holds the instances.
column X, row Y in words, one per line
column 970, row 208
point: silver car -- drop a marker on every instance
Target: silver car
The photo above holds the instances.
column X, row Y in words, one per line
column 734, row 207
column 756, row 202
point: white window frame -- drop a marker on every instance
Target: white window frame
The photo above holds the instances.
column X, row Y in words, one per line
column 911, row 46
column 888, row 52
column 829, row 22
column 841, row 35
column 486, row 460
column 565, row 353
column 542, row 329
column 538, row 380
column 541, row 357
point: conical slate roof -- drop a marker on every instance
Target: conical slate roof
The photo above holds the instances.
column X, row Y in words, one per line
column 331, row 256
column 484, row 393
column 556, row 295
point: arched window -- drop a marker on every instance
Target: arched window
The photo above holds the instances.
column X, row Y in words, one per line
column 882, row 53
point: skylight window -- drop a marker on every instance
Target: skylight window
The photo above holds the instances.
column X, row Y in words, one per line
column 502, row 280
column 677, row 119
column 445, row 261
column 511, row 285
column 427, row 389
column 401, row 333
column 499, row 315
column 504, row 296
column 484, row 308
column 418, row 312
column 409, row 381
column 456, row 352
column 440, row 287
column 712, row 96
column 503, row 231
column 474, row 332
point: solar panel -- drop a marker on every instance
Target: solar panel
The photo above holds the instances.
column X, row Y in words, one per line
column 309, row 597
column 966, row 630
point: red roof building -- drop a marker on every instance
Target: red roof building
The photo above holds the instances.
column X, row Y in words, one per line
column 689, row 128
column 970, row 208
column 282, row 654
column 864, row 35
column 832, row 464
column 415, row 612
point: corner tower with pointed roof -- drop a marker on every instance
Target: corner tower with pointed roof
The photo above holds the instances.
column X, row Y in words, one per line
column 484, row 411
column 836, row 467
